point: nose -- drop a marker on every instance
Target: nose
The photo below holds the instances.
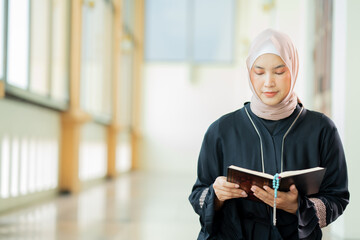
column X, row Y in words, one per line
column 269, row 81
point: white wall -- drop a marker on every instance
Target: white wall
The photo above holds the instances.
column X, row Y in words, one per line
column 29, row 153
column 352, row 117
column 180, row 102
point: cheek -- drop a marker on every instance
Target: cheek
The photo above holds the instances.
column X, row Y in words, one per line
column 286, row 84
column 256, row 81
column 257, row 86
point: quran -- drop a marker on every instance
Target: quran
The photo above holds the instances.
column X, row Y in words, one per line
column 307, row 181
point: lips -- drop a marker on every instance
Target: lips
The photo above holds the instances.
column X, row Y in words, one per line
column 270, row 94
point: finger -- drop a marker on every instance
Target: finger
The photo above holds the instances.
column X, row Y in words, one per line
column 234, row 190
column 262, row 194
column 223, row 182
column 269, row 190
column 279, row 195
column 224, row 195
column 230, row 184
column 237, row 191
column 240, row 194
column 264, row 191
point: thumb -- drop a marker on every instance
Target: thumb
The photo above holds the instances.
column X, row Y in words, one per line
column 293, row 189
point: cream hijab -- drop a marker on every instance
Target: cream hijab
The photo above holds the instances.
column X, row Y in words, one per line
column 271, row 41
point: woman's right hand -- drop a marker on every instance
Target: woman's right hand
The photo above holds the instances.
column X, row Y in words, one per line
column 225, row 190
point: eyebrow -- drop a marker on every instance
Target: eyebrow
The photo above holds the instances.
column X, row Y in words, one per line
column 280, row 66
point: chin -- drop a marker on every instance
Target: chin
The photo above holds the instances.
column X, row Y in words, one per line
column 270, row 102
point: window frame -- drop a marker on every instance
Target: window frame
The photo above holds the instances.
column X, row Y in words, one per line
column 18, row 93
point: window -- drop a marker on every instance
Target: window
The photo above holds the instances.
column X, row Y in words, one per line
column 37, row 51
column 166, row 31
column 189, row 30
column 213, row 26
column 2, row 18
column 18, row 43
column 96, row 59
column 40, row 47
column 128, row 9
column 125, row 89
column 59, row 51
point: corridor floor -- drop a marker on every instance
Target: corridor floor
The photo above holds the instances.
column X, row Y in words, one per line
column 136, row 206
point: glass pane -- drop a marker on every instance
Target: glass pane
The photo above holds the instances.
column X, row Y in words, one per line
column 87, row 58
column 18, row 43
column 128, row 11
column 166, row 30
column 125, row 91
column 96, row 58
column 1, row 39
column 60, row 45
column 40, row 40
column 108, row 58
column 213, row 30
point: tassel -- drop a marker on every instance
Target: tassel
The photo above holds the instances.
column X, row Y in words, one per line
column 276, row 183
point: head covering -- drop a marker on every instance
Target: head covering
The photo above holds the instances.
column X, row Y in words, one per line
column 271, row 41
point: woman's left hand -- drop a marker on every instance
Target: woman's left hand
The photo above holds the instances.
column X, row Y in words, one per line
column 287, row 201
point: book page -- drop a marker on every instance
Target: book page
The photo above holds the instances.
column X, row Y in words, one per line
column 299, row 172
column 256, row 173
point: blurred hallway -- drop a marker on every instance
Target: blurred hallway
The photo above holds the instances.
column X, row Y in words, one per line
column 125, row 89
column 136, row 206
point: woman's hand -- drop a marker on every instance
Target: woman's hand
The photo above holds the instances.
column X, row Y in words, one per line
column 225, row 190
column 287, row 201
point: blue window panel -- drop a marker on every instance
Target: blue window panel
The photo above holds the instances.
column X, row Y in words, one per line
column 213, row 30
column 166, row 30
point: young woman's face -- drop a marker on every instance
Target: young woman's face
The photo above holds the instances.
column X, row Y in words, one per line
column 271, row 78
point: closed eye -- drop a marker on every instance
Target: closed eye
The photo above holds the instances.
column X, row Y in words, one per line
column 259, row 73
column 280, row 73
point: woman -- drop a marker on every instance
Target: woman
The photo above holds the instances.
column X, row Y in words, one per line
column 272, row 133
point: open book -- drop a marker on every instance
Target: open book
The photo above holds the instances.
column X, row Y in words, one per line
column 307, row 181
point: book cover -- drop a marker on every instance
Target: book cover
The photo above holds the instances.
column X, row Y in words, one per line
column 307, row 181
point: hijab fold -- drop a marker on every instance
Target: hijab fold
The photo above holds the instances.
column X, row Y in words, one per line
column 271, row 41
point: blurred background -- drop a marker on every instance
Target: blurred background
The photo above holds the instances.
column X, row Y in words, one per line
column 104, row 104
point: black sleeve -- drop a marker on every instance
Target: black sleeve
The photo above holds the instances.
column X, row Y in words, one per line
column 209, row 168
column 325, row 207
